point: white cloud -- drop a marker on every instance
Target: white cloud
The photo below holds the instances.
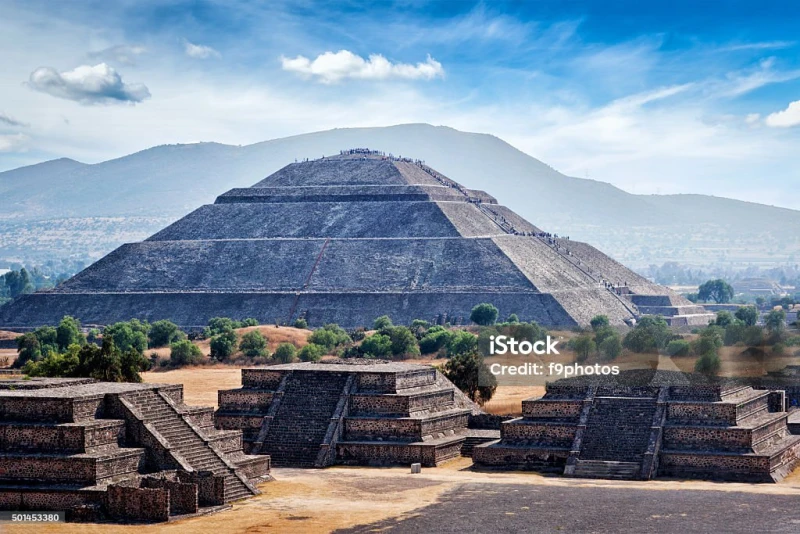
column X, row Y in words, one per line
column 100, row 84
column 14, row 142
column 332, row 67
column 125, row 54
column 199, row 51
column 786, row 118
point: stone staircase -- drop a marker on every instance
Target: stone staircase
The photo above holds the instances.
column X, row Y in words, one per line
column 187, row 442
column 606, row 469
column 301, row 422
column 616, row 437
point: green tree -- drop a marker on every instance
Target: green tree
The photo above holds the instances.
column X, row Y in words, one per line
column 678, row 347
column 300, row 323
column 285, row 353
column 17, row 283
column 512, row 319
column 28, row 349
column 404, row 343
column 163, row 333
column 377, row 346
column 734, row 332
column 724, row 318
column 434, row 340
column 69, row 333
column 223, row 345
column 329, row 336
column 748, row 315
column 382, row 323
column 128, row 335
column 584, row 346
column 469, row 373
column 311, row 353
column 249, row 322
column 753, row 336
column 610, row 347
column 218, row 325
column 484, row 314
column 708, row 364
column 598, row 322
column 775, row 321
column 717, row 290
column 651, row 334
column 462, row 342
column 184, row 352
column 254, row 345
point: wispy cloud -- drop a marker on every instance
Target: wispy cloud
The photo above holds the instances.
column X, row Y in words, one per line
column 13, row 143
column 10, row 121
column 198, row 51
column 787, row 118
column 125, row 54
column 332, row 67
column 764, row 45
column 99, row 84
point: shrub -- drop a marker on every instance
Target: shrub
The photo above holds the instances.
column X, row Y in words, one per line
column 69, row 333
column 462, row 342
column 484, row 314
column 598, row 322
column 404, row 343
column 779, row 349
column 329, row 336
column 748, row 315
column 285, row 353
column 300, row 323
column 584, row 346
column 377, row 346
column 708, row 363
column 434, row 340
column 254, row 345
column 184, row 352
column 223, row 345
column 163, row 333
column 734, row 333
column 678, row 347
column 753, row 336
column 311, row 353
column 512, row 319
column 382, row 323
column 249, row 322
column 219, row 325
column 357, row 334
column 651, row 334
column 131, row 335
column 611, row 347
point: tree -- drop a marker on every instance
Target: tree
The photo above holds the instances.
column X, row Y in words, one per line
column 223, row 345
column 311, row 353
column 775, row 321
column 249, row 322
column 254, row 345
column 163, row 333
column 598, row 322
column 469, row 373
column 382, row 323
column 462, row 342
column 724, row 318
column 285, row 353
column 128, row 335
column 717, row 290
column 584, row 346
column 218, row 325
column 512, row 318
column 17, row 283
column 28, row 349
column 300, row 323
column 651, row 334
column 484, row 314
column 708, row 364
column 611, row 347
column 403, row 341
column 434, row 340
column 184, row 352
column 329, row 336
column 678, row 347
column 69, row 333
column 377, row 346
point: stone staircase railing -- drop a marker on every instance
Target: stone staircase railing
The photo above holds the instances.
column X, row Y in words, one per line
column 277, row 398
column 575, row 449
column 327, row 452
column 649, row 465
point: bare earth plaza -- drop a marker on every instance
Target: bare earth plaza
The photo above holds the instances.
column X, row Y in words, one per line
column 351, row 442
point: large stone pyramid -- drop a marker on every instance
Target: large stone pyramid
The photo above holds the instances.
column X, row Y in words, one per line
column 345, row 239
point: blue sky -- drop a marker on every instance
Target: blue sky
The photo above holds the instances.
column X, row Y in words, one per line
column 678, row 97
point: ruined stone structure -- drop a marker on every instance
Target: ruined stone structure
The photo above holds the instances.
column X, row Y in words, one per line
column 356, row 412
column 124, row 451
column 642, row 424
column 346, row 239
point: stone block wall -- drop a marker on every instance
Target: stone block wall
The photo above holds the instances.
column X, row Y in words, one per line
column 137, row 504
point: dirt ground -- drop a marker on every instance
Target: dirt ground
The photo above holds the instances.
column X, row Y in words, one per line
column 309, row 501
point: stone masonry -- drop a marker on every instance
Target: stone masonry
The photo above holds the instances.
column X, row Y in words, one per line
column 356, row 412
column 345, row 239
column 117, row 450
column 642, row 424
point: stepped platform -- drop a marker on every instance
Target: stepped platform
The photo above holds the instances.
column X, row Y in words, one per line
column 357, row 412
column 103, row 450
column 647, row 424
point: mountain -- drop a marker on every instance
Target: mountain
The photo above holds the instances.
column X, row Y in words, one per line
column 127, row 198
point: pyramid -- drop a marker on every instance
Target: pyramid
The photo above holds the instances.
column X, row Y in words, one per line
column 345, row 239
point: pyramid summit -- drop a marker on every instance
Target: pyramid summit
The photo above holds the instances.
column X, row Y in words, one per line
column 345, row 239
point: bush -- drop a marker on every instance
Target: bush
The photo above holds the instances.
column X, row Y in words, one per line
column 377, row 346
column 462, row 342
column 106, row 363
column 404, row 343
column 778, row 349
column 434, row 340
column 131, row 335
column 311, row 353
column 300, row 323
column 651, row 334
column 708, row 363
column 724, row 318
column 329, row 336
column 219, row 325
column 678, row 347
column 357, row 334
column 382, row 323
column 285, row 353
column 184, row 352
column 512, row 319
column 584, row 346
column 734, row 333
column 484, row 314
column 223, row 345
column 163, row 333
column 753, row 336
column 598, row 322
column 254, row 345
column 69, row 333
column 748, row 315
column 249, row 322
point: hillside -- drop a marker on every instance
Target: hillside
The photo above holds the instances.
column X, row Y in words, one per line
column 63, row 207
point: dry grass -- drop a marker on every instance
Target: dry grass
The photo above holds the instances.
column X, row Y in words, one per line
column 200, row 384
column 275, row 336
